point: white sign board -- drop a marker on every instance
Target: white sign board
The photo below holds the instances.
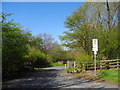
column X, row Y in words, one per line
column 95, row 49
column 95, row 44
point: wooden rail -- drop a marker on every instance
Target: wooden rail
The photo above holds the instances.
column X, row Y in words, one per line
column 110, row 64
column 102, row 64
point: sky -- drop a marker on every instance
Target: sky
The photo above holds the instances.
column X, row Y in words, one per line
column 41, row 17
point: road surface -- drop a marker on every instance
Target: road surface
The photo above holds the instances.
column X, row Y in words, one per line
column 52, row 77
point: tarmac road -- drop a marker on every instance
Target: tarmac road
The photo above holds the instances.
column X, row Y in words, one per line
column 52, row 77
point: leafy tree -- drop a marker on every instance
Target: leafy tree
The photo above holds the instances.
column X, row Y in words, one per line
column 57, row 53
column 14, row 46
column 89, row 21
column 36, row 43
column 36, row 58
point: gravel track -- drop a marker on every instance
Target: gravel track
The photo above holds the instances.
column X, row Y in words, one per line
column 52, row 77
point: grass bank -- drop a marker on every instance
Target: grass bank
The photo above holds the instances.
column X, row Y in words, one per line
column 105, row 76
column 56, row 64
column 110, row 75
column 50, row 65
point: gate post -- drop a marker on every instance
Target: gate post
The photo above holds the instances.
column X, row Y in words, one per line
column 100, row 64
column 117, row 63
column 74, row 66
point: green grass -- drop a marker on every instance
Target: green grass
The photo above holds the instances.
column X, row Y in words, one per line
column 110, row 75
column 37, row 68
column 56, row 64
column 71, row 68
column 64, row 69
column 50, row 65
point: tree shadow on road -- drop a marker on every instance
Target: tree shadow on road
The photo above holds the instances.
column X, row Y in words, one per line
column 44, row 78
column 39, row 79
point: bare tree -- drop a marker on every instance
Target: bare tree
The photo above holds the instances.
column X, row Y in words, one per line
column 47, row 41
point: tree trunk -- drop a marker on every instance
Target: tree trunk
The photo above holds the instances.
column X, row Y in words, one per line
column 108, row 10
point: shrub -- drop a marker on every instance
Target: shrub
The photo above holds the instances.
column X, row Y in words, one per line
column 36, row 58
column 82, row 57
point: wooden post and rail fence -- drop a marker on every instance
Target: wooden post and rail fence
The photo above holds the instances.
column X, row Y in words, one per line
column 100, row 65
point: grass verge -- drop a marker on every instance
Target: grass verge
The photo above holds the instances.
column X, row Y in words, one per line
column 56, row 64
column 37, row 68
column 110, row 75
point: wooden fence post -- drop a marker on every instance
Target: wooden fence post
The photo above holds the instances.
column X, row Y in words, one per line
column 74, row 66
column 68, row 64
column 65, row 66
column 100, row 64
column 117, row 64
column 83, row 66
column 87, row 65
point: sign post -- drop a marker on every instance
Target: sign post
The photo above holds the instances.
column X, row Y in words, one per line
column 95, row 49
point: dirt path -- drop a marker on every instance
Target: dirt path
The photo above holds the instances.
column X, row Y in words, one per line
column 52, row 77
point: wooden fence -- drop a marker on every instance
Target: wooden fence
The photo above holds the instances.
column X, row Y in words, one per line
column 110, row 64
column 101, row 64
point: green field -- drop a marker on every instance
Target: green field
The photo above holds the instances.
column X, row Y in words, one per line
column 110, row 75
column 56, row 64
column 50, row 65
